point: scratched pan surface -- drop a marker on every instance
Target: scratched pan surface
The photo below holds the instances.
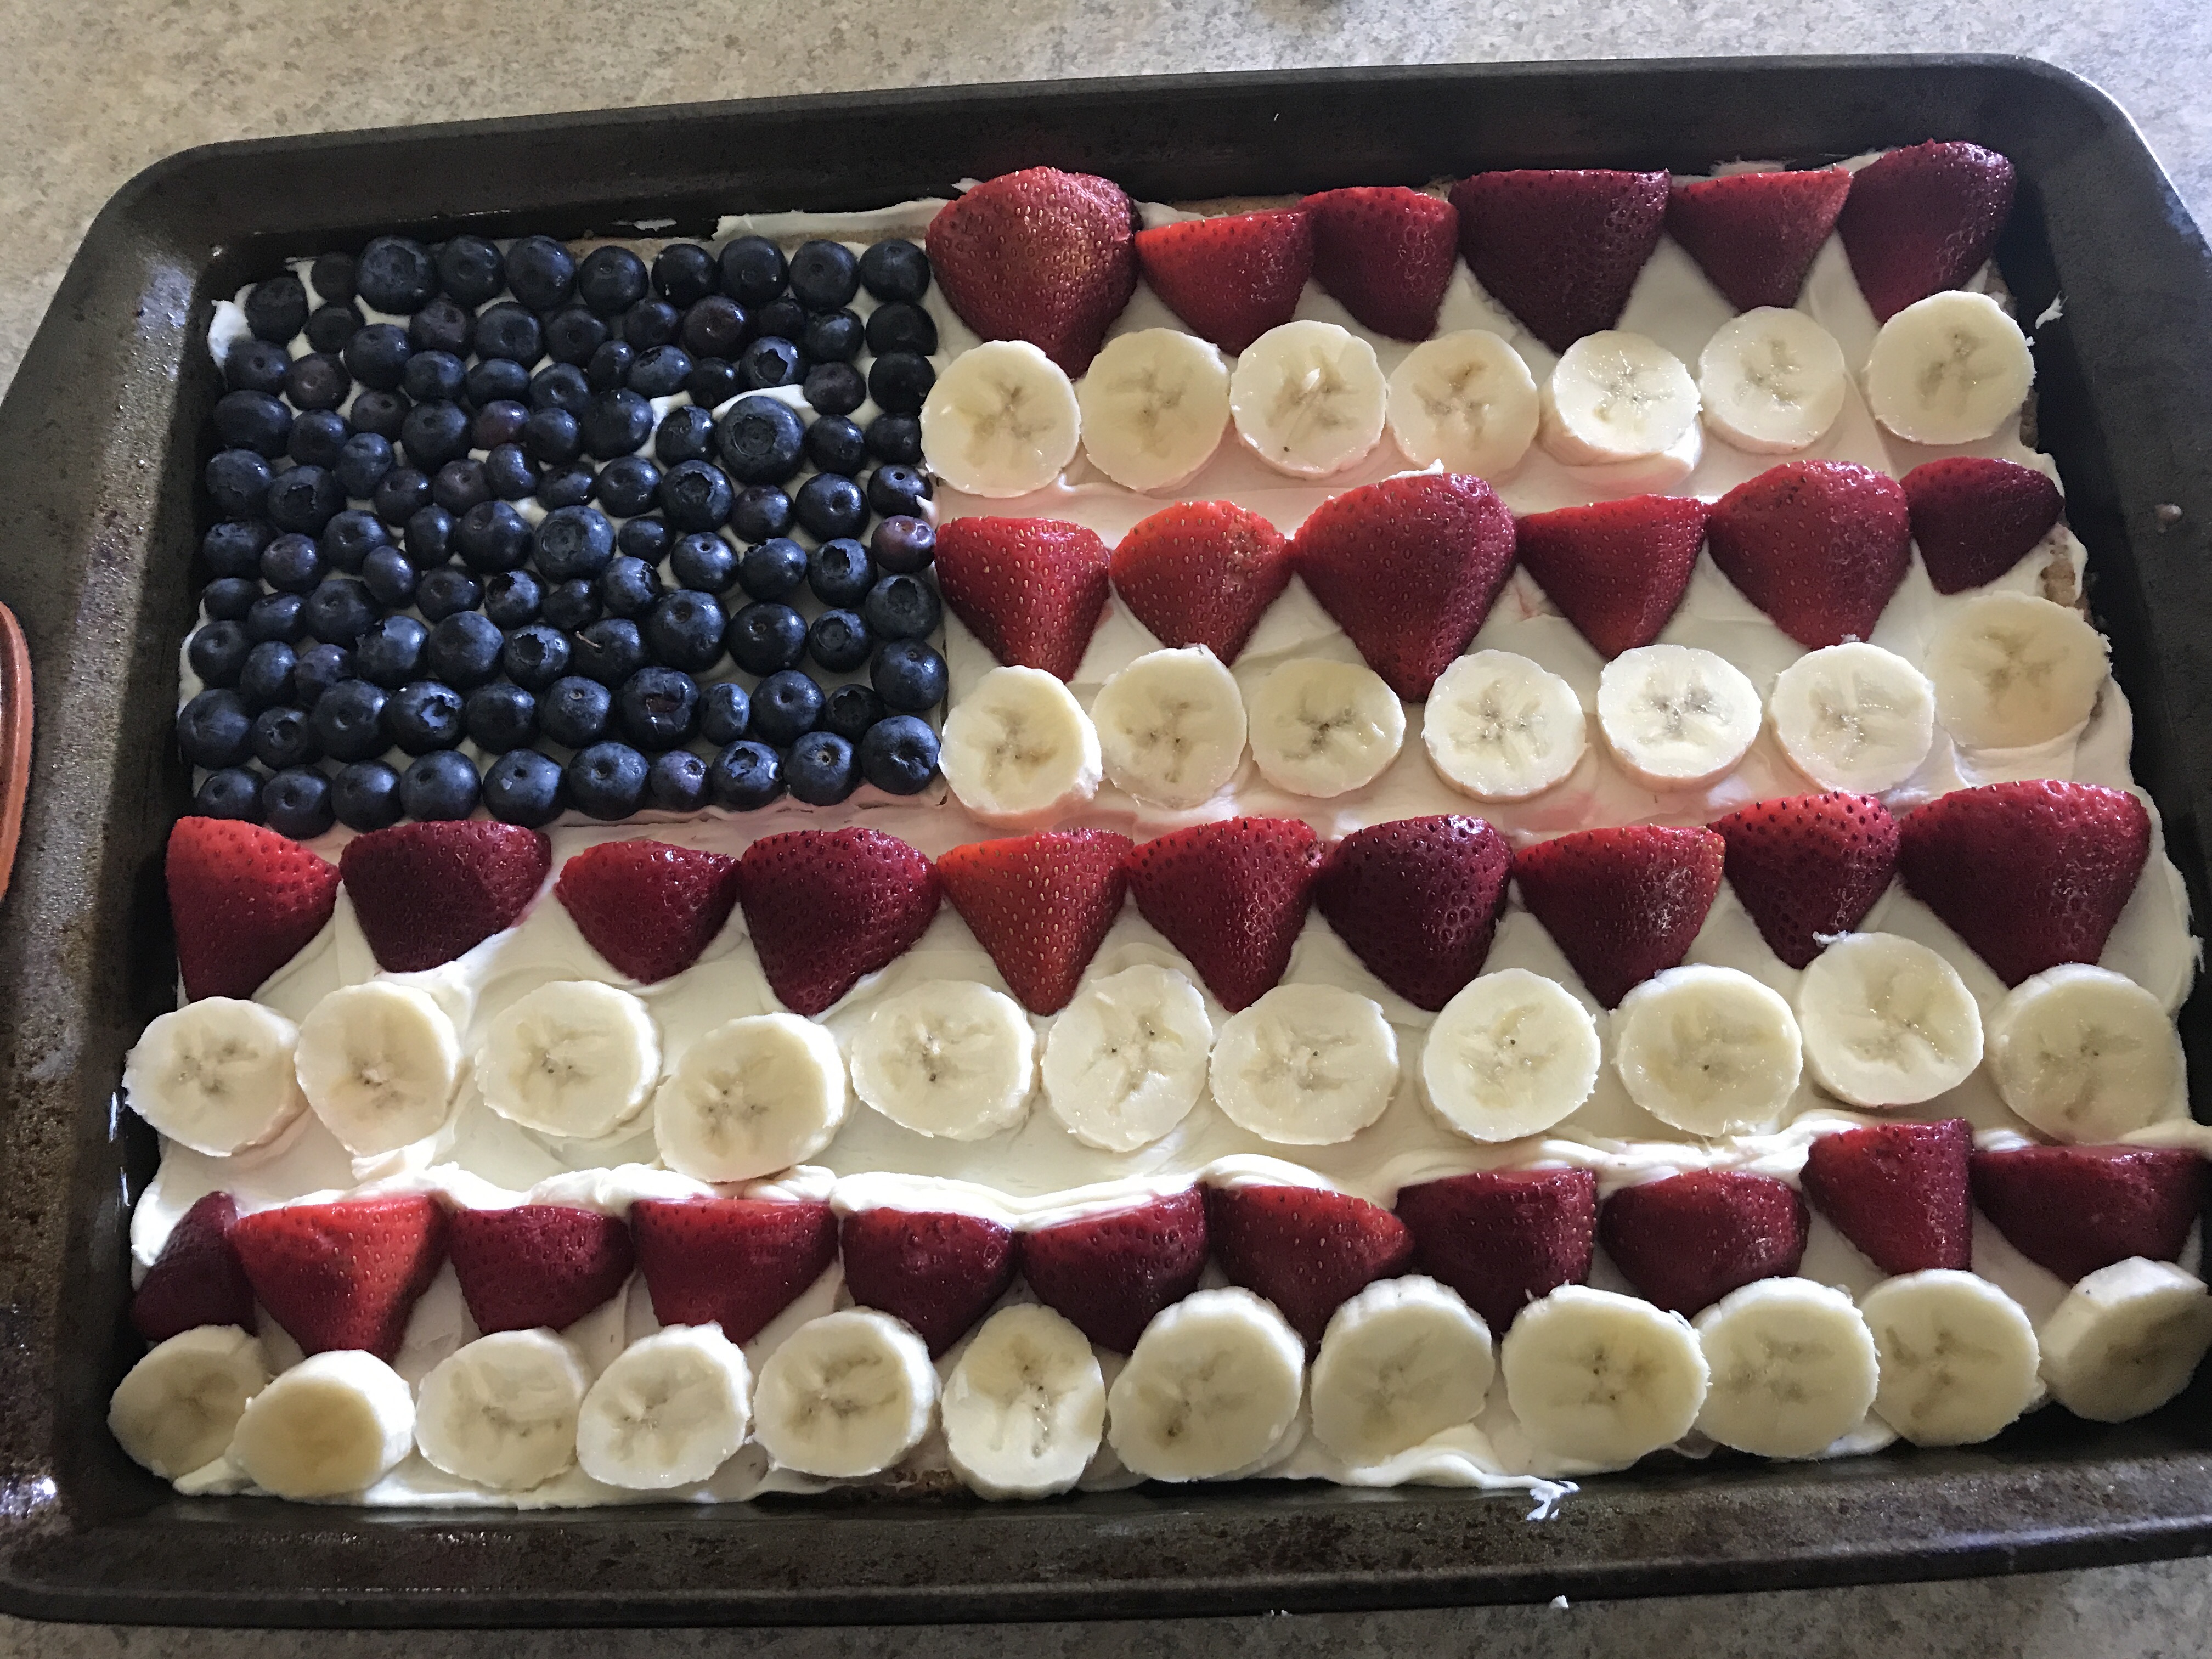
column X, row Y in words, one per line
column 101, row 440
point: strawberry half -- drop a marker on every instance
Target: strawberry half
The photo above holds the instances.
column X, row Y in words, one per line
column 1030, row 589
column 2029, row 874
column 1809, row 865
column 938, row 1270
column 1040, row 904
column 1560, row 247
column 1924, row 219
column 538, row 1264
column 1621, row 904
column 1756, row 234
column 1109, row 1274
column 1688, row 1240
column 1503, row 1238
column 1385, row 254
column 1231, row 278
column 198, row 1278
column 243, row 901
column 649, row 908
column 1201, row 573
column 343, row 1275
column 2075, row 1209
column 1898, row 1192
column 424, row 893
column 736, row 1262
column 1409, row 568
column 1039, row 255
column 1305, row 1249
column 1974, row 517
column 1819, row 546
column 1616, row 570
column 1417, row 900
column 1232, row 896
column 826, row 906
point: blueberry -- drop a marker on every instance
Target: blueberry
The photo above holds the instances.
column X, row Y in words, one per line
column 434, row 377
column 908, row 675
column 216, row 651
column 901, row 327
column 499, row 717
column 305, row 498
column 612, row 279
column 233, row 792
column 764, row 638
column 423, row 715
column 761, row 438
column 283, row 737
column 660, row 371
column 895, row 438
column 686, row 433
column 492, row 378
column 349, row 724
column 389, row 578
column 753, row 270
column 552, row 437
column 903, row 544
column 429, row 536
column 459, row 485
column 402, row 492
column 560, row 385
column 442, row 324
column 535, row 656
column 839, row 640
column 573, row 605
column 318, row 439
column 541, row 272
column 696, row 495
column 513, row 598
column 609, row 651
column 761, row 512
column 254, row 421
column 391, row 653
column 395, row 274
column 317, row 670
column 715, row 327
column 463, row 649
column 215, row 729
column 899, row 381
column 318, row 381
column 441, row 785
column 676, row 781
column 685, row 630
column 834, row 444
column 573, row 542
column 522, row 786
column 606, row 781
column 331, row 326
column 340, row 610
column 365, row 796
column 899, row 755
column 658, row 707
column 511, row 473
column 745, row 775
column 500, row 421
column 712, row 381
column 650, row 323
column 296, row 802
column 824, row 275
column 850, row 710
column 786, row 706
column 264, row 677
column 378, row 357
column 771, row 361
column 228, row 599
column 628, row 485
column 617, row 424
column 629, row 586
column 566, row 486
column 573, row 711
column 434, row 432
column 471, row 269
column 784, row 318
column 724, row 712
column 380, row 414
column 277, row 616
column 902, row 608
column 292, row 564
column 684, row 272
column 276, row 309
column 609, row 367
column 830, row 337
column 776, row 566
column 895, row 270
column 235, row 549
column 646, row 539
column 239, row 480
column 705, row 563
column 840, row 572
column 446, row 592
column 830, row 507
column 838, row 389
column 492, row 536
column 822, row 769
column 899, row 491
column 255, row 366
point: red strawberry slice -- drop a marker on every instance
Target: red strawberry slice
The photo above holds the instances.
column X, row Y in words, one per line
column 1974, row 517
column 1560, row 247
column 1030, row 589
column 1232, row 896
column 1924, row 219
column 1231, row 278
column 649, row 908
column 1621, row 904
column 1819, row 546
column 244, row 900
column 424, row 893
column 198, row 1278
column 2029, row 874
column 938, row 1270
column 343, row 1275
column 2075, row 1209
column 1409, row 568
column 1898, row 1192
column 1503, row 1238
column 1039, row 255
column 1108, row 1276
column 1687, row 1240
column 1418, row 900
column 736, row 1262
column 1305, row 1249
column 1201, row 573
column 826, row 906
column 1385, row 254
column 1809, row 865
column 1618, row 570
column 1040, row 904
column 1756, row 234
column 538, row 1264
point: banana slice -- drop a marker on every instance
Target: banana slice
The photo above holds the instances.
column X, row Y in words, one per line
column 754, row 1095
column 379, row 1063
column 575, row 1058
column 1499, row 727
column 2126, row 1339
column 1603, row 1377
column 1210, row 1387
column 1709, row 1050
column 2011, row 669
column 1676, row 717
column 216, row 1075
column 1024, row 1408
column 669, row 1411
column 1614, row 396
column 1171, row 727
column 176, row 1409
column 1887, row 1021
column 1854, row 716
column 1308, row 399
column 1511, row 1055
column 1323, row 728
column 1126, row 1061
column 1466, row 402
column 336, row 1423
column 1793, row 1366
column 501, row 1411
column 949, row 1058
column 846, row 1395
column 1402, row 1360
column 2086, row 1054
column 1018, row 750
column 1155, row 404
column 1949, row 369
column 1002, row 419
column 1305, row 1066
column 1958, row 1356
column 1771, row 381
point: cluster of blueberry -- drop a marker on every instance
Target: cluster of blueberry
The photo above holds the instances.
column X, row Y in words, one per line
column 456, row 525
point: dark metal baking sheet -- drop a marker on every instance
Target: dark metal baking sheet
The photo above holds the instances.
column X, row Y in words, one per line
column 101, row 440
